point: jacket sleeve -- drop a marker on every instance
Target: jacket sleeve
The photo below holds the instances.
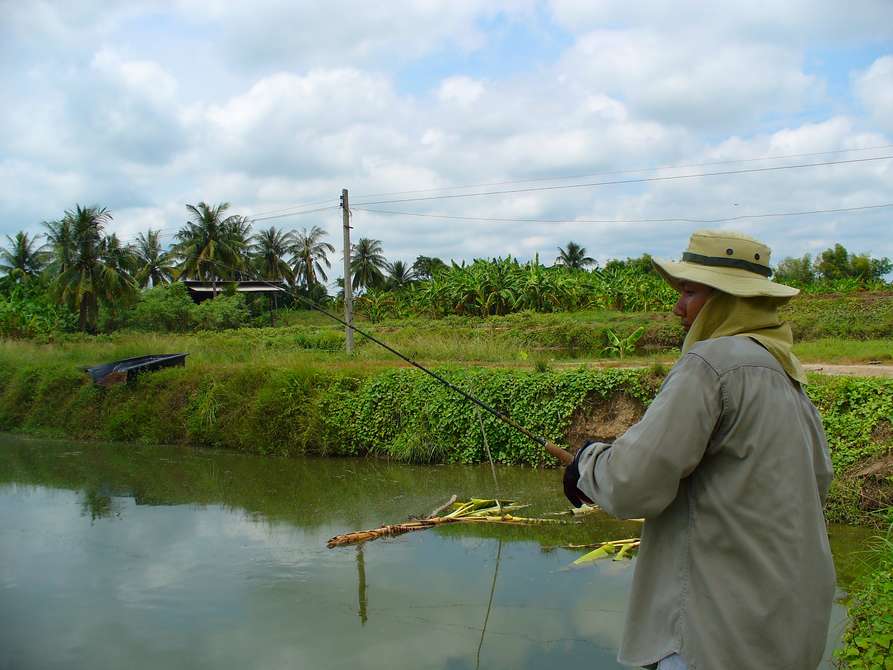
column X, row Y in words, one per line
column 639, row 475
column 824, row 470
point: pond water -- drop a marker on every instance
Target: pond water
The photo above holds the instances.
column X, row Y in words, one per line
column 129, row 556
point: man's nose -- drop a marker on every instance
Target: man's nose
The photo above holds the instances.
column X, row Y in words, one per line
column 679, row 309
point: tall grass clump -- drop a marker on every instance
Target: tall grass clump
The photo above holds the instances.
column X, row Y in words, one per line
column 868, row 640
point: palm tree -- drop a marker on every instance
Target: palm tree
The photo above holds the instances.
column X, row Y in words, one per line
column 210, row 246
column 90, row 267
column 61, row 244
column 238, row 231
column 367, row 264
column 573, row 257
column 268, row 250
column 425, row 267
column 399, row 275
column 310, row 256
column 154, row 264
column 117, row 256
column 22, row 260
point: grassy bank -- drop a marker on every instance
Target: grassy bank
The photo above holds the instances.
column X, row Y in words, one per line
column 367, row 408
column 868, row 640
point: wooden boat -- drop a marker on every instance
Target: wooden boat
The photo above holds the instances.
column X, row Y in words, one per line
column 127, row 369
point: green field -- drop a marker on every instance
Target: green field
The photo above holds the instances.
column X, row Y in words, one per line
column 851, row 328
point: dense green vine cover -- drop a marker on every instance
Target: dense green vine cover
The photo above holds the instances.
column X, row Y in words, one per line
column 396, row 413
column 408, row 415
column 856, row 413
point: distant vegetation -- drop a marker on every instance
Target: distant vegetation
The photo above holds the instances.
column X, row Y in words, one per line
column 76, row 276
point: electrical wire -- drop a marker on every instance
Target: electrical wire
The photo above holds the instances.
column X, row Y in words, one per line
column 291, row 207
column 627, row 171
column 664, row 220
column 282, row 216
column 625, row 181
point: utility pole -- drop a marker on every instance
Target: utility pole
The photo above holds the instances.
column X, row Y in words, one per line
column 348, row 284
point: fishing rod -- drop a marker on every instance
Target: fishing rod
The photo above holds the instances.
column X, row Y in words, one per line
column 564, row 457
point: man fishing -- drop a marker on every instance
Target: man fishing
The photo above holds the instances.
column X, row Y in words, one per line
column 729, row 466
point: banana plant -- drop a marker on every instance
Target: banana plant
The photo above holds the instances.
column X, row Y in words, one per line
column 620, row 346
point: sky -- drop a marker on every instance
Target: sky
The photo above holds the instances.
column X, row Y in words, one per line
column 275, row 106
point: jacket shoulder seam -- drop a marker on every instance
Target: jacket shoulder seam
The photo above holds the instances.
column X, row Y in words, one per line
column 753, row 365
column 706, row 362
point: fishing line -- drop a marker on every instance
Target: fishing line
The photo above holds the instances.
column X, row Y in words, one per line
column 477, row 663
column 489, row 455
column 563, row 456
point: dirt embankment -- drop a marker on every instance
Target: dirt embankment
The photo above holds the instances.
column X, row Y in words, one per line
column 603, row 420
column 862, row 370
column 833, row 369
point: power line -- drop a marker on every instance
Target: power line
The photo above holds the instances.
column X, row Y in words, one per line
column 286, row 209
column 281, row 216
column 628, row 171
column 664, row 220
column 625, row 181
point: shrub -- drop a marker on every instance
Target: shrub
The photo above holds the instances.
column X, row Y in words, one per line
column 27, row 311
column 325, row 340
column 165, row 308
column 226, row 311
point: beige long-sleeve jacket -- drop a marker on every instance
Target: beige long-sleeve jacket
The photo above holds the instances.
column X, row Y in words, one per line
column 729, row 467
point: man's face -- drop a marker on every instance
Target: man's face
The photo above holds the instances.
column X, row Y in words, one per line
column 692, row 297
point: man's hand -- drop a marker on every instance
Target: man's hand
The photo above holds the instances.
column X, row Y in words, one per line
column 571, row 477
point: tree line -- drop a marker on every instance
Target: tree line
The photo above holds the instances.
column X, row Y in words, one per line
column 83, row 267
column 80, row 267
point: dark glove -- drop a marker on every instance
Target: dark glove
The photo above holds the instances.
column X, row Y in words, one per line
column 571, row 477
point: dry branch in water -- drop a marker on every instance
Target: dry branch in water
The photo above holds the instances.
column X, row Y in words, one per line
column 476, row 510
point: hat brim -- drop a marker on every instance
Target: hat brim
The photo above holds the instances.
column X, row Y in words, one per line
column 735, row 281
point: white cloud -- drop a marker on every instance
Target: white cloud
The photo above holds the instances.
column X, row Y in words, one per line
column 875, row 89
column 463, row 91
column 312, row 34
column 690, row 82
column 144, row 79
column 792, row 21
column 276, row 104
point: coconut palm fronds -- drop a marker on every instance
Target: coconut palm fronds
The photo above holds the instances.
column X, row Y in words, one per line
column 476, row 510
column 618, row 549
column 582, row 510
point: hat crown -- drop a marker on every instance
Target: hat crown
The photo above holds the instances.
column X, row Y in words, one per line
column 727, row 245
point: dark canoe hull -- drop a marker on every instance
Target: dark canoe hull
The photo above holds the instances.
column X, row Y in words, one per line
column 125, row 370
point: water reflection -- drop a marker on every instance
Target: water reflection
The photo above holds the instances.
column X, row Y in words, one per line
column 143, row 558
column 362, row 595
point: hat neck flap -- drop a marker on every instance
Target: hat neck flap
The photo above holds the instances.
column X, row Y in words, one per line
column 724, row 314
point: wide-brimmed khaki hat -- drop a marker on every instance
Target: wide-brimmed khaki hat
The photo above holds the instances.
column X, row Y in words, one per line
column 731, row 262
